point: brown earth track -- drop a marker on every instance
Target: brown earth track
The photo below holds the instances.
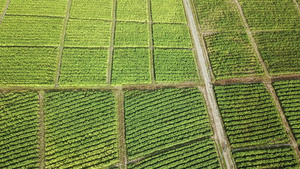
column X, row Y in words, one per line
column 150, row 23
column 41, row 119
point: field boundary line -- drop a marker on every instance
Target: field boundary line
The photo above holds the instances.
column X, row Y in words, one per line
column 121, row 128
column 212, row 103
column 42, row 16
column 150, row 23
column 111, row 47
column 62, row 43
column 172, row 147
column 41, row 118
column 284, row 121
column 4, row 11
column 297, row 5
column 29, row 46
column 252, row 40
column 123, row 87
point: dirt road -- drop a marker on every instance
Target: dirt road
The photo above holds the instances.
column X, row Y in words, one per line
column 209, row 88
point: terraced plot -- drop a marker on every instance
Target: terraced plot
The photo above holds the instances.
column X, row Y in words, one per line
column 132, row 10
column 80, row 129
column 30, row 31
column 170, row 11
column 200, row 154
column 158, row 119
column 288, row 93
column 231, row 55
column 91, row 9
column 266, row 158
column 131, row 66
column 271, row 14
column 88, row 33
column 131, row 34
column 40, row 7
column 19, row 130
column 27, row 65
column 83, row 67
column 249, row 115
column 175, row 65
column 218, row 15
column 171, row 35
column 280, row 51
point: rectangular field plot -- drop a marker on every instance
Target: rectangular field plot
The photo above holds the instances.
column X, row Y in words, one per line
column 81, row 129
column 170, row 11
column 280, row 51
column 249, row 115
column 266, row 158
column 231, row 55
column 200, row 154
column 131, row 34
column 218, row 15
column 131, row 66
column 19, row 130
column 288, row 93
column 83, row 67
column 271, row 14
column 132, row 10
column 40, row 7
column 88, row 33
column 171, row 35
column 92, row 9
column 30, row 31
column 27, row 66
column 175, row 65
column 158, row 119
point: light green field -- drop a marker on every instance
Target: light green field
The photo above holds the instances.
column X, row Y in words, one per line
column 132, row 10
column 170, row 11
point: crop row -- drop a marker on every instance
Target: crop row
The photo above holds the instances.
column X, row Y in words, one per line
column 288, row 93
column 80, row 129
column 266, row 158
column 280, row 51
column 19, row 130
column 157, row 119
column 271, row 14
column 231, row 55
column 249, row 115
column 218, row 15
column 200, row 154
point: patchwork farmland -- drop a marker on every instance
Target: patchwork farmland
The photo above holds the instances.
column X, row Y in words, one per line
column 149, row 84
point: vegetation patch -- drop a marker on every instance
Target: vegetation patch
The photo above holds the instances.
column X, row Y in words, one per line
column 170, row 11
column 132, row 10
column 81, row 129
column 249, row 115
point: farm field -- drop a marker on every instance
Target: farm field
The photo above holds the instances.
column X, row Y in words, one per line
column 149, row 84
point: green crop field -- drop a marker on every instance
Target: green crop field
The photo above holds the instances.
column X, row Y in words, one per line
column 237, row 60
column 149, row 84
column 67, row 115
column 88, row 33
column 19, row 130
column 288, row 93
column 40, row 8
column 249, row 115
column 266, row 158
column 218, row 15
column 280, row 51
column 162, row 118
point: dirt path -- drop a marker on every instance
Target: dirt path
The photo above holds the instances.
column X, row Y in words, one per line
column 4, row 11
column 41, row 119
column 220, row 133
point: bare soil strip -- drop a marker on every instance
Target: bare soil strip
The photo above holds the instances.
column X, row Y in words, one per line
column 121, row 129
column 253, row 43
column 209, row 88
column 283, row 119
column 4, row 11
column 152, row 74
column 41, row 118
column 62, row 43
column 111, row 48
